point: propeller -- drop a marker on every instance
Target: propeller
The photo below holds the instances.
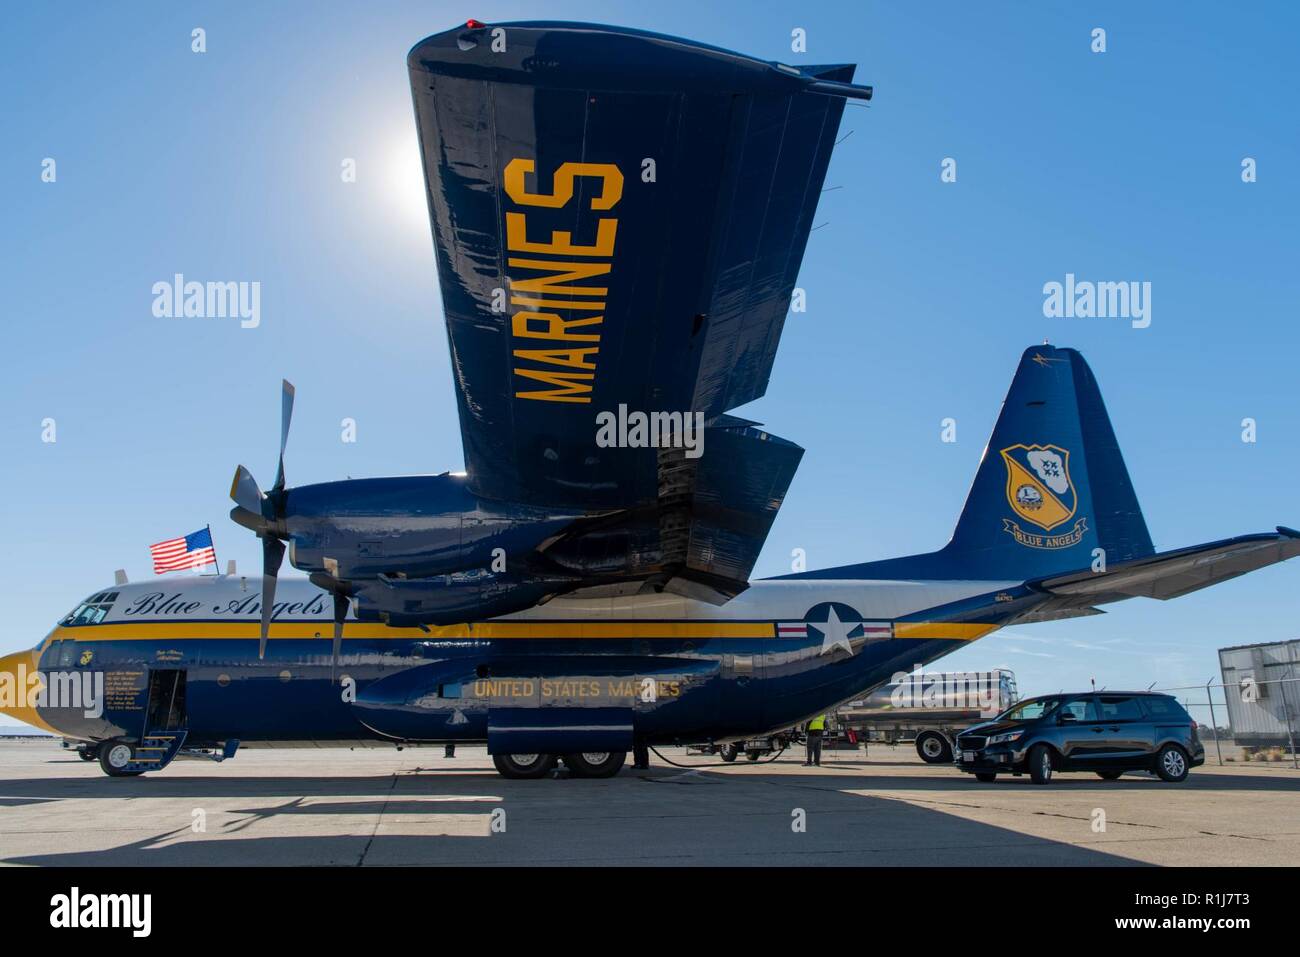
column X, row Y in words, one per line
column 286, row 416
column 329, row 581
column 272, row 556
column 341, row 604
column 263, row 513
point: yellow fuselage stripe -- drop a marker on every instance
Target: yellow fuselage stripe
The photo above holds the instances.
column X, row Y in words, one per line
column 959, row 631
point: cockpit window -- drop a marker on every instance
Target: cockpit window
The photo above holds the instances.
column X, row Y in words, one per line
column 91, row 611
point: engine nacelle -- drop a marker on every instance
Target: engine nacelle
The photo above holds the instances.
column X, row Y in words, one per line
column 416, row 526
column 469, row 595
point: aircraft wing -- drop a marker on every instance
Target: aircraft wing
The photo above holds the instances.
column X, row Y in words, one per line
column 1175, row 573
column 619, row 218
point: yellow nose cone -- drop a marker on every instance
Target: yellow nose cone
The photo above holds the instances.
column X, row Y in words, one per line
column 20, row 682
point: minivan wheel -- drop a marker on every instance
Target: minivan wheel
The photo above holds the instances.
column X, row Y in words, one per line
column 1109, row 775
column 1171, row 764
column 1040, row 764
column 933, row 748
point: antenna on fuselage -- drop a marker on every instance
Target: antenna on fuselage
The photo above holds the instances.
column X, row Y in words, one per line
column 230, row 568
column 119, row 577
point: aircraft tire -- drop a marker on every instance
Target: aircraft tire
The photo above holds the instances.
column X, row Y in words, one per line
column 986, row 777
column 111, row 759
column 1109, row 775
column 728, row 752
column 933, row 748
column 587, row 764
column 88, row 754
column 533, row 766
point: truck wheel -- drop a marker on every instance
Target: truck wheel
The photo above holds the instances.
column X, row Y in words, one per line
column 595, row 764
column 933, row 748
column 727, row 752
column 1171, row 764
column 523, row 766
column 987, row 777
column 114, row 756
column 1040, row 764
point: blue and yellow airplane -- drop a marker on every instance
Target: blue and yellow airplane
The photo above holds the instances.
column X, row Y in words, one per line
column 618, row 219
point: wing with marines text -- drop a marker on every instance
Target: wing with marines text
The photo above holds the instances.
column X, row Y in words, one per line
column 619, row 218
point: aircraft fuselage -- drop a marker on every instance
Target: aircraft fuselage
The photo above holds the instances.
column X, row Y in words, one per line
column 574, row 674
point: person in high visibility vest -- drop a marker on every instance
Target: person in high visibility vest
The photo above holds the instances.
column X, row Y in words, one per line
column 814, row 731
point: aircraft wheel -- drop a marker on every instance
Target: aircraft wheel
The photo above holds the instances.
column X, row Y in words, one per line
column 1109, row 775
column 114, row 756
column 728, row 752
column 523, row 766
column 986, row 777
column 88, row 754
column 595, row 764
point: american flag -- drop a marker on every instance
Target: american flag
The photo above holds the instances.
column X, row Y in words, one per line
column 193, row 551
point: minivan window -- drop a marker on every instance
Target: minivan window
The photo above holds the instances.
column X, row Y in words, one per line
column 1029, row 710
column 1120, row 709
column 1161, row 707
column 1083, row 709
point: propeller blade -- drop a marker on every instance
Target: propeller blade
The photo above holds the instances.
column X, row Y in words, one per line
column 272, row 556
column 245, row 492
column 286, row 416
column 341, row 603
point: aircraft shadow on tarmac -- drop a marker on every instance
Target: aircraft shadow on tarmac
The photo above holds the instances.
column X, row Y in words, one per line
column 843, row 830
column 423, row 816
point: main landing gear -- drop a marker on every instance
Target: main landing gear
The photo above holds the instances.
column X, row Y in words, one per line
column 581, row 764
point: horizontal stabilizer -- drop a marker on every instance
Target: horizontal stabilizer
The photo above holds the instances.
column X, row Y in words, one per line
column 1056, row 609
column 1179, row 572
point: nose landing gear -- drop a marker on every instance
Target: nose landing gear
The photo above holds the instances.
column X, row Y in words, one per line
column 116, row 759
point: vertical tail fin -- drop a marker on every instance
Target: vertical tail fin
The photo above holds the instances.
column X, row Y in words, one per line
column 1052, row 486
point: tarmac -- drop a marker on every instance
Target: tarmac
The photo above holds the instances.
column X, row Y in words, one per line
column 376, row 807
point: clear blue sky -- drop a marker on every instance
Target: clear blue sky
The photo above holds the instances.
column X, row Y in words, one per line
column 225, row 165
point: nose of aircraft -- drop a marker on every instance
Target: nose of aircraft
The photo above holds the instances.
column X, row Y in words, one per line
column 19, row 684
